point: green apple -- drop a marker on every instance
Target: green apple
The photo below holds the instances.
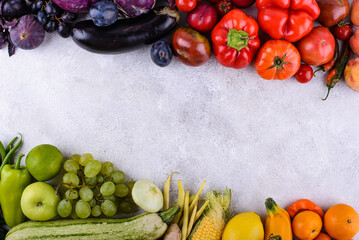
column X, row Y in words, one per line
column 39, row 202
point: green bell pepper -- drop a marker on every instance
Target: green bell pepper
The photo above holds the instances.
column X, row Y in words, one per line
column 14, row 179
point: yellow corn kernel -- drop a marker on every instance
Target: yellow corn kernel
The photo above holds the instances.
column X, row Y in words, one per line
column 209, row 229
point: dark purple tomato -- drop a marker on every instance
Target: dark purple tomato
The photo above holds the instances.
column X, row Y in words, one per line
column 28, row 33
column 161, row 53
column 191, row 47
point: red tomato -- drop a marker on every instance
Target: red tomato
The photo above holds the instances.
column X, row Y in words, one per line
column 203, row 17
column 243, row 3
column 277, row 59
column 186, row 5
column 317, row 48
column 304, row 74
column 223, row 7
column 342, row 31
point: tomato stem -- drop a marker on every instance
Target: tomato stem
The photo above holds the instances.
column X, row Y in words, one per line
column 279, row 63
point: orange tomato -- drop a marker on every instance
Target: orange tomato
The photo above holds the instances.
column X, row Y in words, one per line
column 341, row 222
column 323, row 236
column 277, row 59
column 307, row 225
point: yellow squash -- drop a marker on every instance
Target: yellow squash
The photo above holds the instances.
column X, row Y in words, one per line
column 278, row 223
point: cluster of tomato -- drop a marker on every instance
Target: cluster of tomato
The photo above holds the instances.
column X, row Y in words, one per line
column 288, row 27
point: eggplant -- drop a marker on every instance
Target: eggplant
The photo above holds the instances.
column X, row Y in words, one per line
column 126, row 34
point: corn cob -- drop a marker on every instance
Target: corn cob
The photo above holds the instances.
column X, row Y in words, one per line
column 211, row 224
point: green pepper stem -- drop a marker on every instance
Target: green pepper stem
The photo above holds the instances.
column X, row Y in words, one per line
column 18, row 161
column 238, row 39
column 8, row 156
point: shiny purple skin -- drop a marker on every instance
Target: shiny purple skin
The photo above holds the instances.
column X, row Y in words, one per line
column 28, row 33
column 75, row 6
column 135, row 8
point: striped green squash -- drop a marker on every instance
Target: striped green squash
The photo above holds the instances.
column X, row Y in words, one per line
column 148, row 226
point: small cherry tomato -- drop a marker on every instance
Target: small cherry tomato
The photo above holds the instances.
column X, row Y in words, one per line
column 342, row 31
column 223, row 7
column 304, row 74
column 186, row 5
column 203, row 17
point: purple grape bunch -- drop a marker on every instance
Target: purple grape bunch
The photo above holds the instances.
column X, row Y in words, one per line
column 53, row 18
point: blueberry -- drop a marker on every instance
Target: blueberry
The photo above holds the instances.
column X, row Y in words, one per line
column 104, row 13
column 161, row 53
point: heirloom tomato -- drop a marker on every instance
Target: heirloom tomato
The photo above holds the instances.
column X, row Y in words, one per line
column 318, row 47
column 277, row 59
column 191, row 47
column 332, row 11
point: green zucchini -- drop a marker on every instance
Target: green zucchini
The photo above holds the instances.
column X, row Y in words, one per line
column 147, row 226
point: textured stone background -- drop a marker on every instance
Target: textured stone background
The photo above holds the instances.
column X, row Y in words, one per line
column 260, row 138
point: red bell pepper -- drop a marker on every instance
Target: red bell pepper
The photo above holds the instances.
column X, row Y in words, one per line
column 287, row 19
column 235, row 39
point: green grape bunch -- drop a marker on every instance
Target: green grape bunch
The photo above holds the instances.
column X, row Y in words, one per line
column 92, row 189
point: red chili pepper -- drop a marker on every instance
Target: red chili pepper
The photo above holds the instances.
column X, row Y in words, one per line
column 235, row 39
column 337, row 72
column 304, row 204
